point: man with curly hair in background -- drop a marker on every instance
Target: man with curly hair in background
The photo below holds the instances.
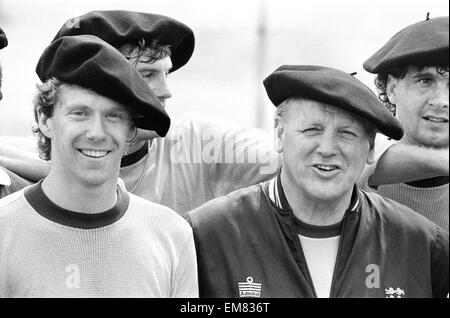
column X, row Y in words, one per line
column 412, row 80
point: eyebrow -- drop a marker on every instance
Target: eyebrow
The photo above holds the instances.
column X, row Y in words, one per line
column 150, row 67
column 87, row 107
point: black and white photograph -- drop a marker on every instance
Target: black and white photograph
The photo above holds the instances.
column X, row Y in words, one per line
column 224, row 154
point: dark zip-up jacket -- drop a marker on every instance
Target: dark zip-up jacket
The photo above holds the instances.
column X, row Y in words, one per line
column 248, row 246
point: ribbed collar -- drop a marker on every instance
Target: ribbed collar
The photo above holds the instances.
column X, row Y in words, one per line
column 279, row 200
column 277, row 196
column 49, row 210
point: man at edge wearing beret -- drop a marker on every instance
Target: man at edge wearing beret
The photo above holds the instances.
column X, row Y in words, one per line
column 412, row 80
column 201, row 157
column 310, row 231
column 76, row 233
column 9, row 181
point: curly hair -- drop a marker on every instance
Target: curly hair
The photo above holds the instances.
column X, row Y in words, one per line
column 141, row 51
column 399, row 72
column 44, row 103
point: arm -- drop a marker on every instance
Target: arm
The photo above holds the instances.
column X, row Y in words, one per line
column 404, row 163
column 185, row 282
column 22, row 160
column 246, row 156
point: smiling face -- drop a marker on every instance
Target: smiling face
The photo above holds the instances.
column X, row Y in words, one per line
column 324, row 150
column 88, row 135
column 421, row 99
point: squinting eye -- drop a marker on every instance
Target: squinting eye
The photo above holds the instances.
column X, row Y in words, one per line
column 147, row 75
column 311, row 131
column 78, row 113
column 349, row 133
column 115, row 115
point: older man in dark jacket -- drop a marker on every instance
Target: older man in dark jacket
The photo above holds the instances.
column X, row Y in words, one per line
column 310, row 232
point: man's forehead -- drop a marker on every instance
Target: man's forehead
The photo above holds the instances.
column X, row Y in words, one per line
column 438, row 70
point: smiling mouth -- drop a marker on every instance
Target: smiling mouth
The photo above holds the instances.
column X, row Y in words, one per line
column 436, row 119
column 326, row 168
column 94, row 153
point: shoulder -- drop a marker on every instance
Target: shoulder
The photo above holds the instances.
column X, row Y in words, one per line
column 220, row 211
column 157, row 215
column 10, row 204
column 397, row 216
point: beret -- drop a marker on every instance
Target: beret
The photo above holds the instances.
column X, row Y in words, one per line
column 91, row 63
column 119, row 27
column 423, row 44
column 3, row 39
column 332, row 87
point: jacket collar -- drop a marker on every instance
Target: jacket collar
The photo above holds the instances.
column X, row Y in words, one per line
column 278, row 198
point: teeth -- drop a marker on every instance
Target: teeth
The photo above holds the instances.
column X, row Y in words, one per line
column 327, row 168
column 438, row 120
column 94, row 153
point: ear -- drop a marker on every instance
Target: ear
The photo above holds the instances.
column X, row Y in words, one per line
column 45, row 125
column 278, row 132
column 371, row 156
column 391, row 86
column 132, row 133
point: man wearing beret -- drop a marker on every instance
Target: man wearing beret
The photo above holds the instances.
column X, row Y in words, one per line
column 76, row 233
column 412, row 80
column 9, row 181
column 201, row 157
column 310, row 231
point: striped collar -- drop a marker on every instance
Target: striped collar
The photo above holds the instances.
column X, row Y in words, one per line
column 49, row 210
column 278, row 198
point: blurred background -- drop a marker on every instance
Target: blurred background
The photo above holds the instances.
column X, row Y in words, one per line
column 238, row 43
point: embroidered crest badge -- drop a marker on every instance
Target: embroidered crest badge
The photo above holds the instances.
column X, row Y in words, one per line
column 249, row 288
column 394, row 293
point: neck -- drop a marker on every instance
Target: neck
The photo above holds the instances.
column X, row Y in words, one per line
column 312, row 210
column 82, row 198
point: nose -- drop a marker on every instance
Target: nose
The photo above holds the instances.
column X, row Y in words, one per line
column 96, row 130
column 161, row 89
column 440, row 95
column 327, row 146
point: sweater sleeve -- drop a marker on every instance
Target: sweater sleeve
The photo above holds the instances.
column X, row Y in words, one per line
column 244, row 156
column 185, row 282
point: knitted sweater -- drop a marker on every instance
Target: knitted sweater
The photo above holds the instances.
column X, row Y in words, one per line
column 136, row 249
column 200, row 159
column 431, row 202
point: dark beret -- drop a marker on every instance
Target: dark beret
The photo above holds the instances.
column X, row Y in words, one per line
column 3, row 39
column 123, row 27
column 91, row 63
column 332, row 87
column 422, row 44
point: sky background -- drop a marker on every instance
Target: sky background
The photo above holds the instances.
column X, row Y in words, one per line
column 224, row 76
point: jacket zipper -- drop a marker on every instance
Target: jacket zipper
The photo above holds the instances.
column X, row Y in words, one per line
column 299, row 247
column 338, row 256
